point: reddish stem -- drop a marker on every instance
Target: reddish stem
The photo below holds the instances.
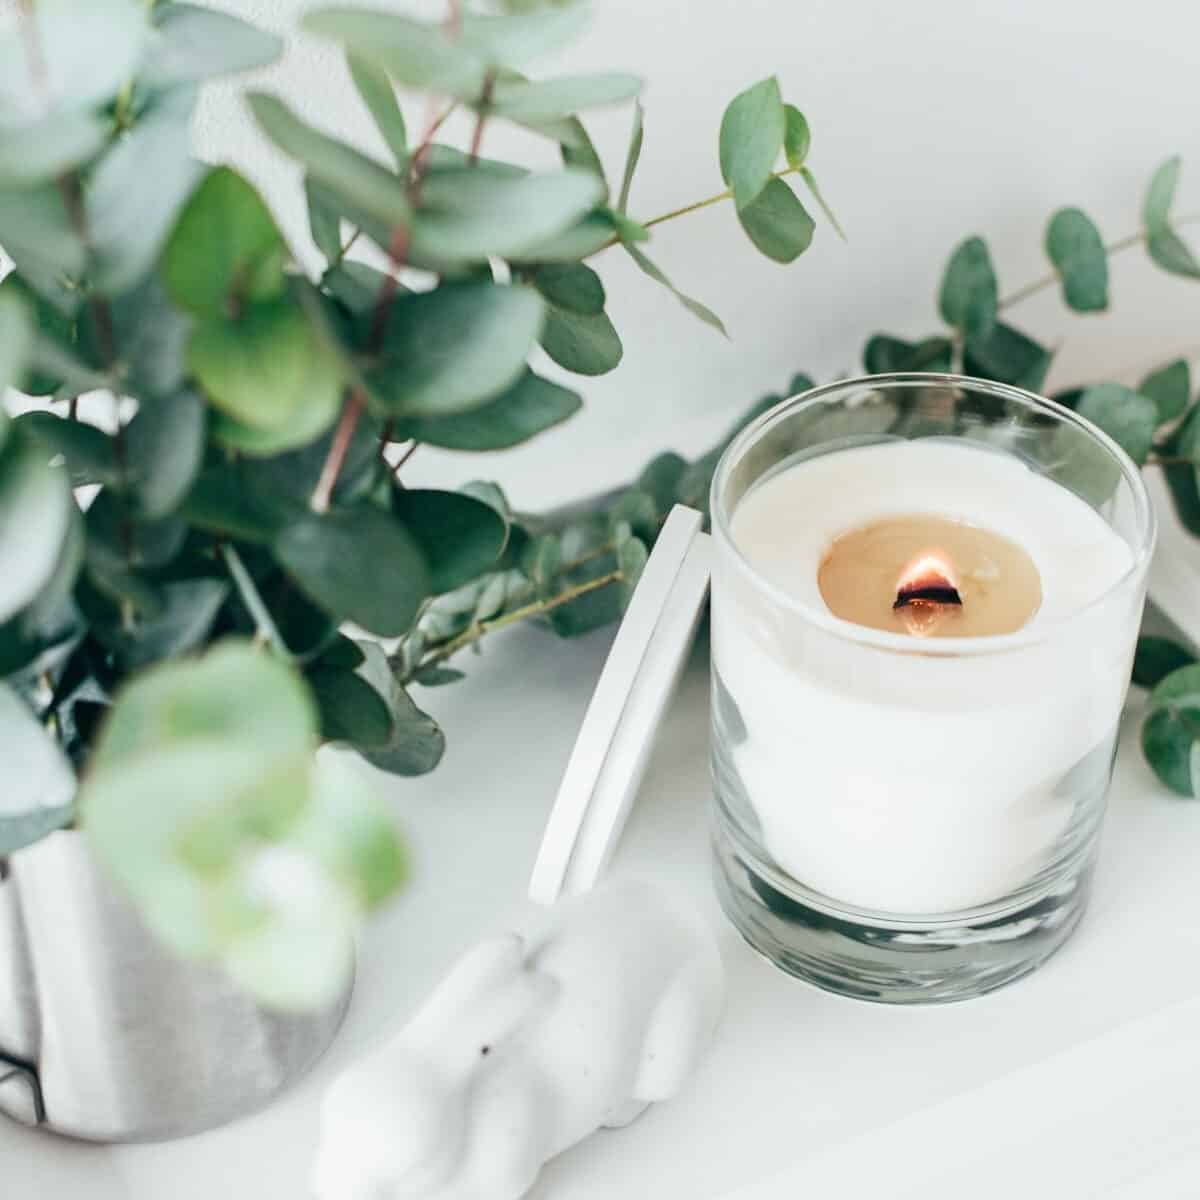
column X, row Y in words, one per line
column 336, row 459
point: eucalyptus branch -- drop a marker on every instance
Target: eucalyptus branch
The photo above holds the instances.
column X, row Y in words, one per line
column 697, row 205
column 267, row 631
column 1051, row 278
column 485, row 103
column 538, row 608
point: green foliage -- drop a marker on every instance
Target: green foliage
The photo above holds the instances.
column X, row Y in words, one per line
column 1170, row 388
column 1128, row 417
column 1075, row 247
column 969, row 300
column 243, row 484
column 1163, row 242
column 1172, row 728
column 1156, row 658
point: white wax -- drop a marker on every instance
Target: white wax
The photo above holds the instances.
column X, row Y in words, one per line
column 917, row 782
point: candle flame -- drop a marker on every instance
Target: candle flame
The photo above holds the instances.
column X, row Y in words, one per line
column 926, row 590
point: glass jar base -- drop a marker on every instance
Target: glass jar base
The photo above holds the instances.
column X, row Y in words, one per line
column 904, row 962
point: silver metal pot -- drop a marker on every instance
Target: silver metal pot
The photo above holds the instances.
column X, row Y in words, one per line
column 105, row 1035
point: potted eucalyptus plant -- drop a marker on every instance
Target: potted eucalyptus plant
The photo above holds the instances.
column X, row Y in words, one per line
column 204, row 522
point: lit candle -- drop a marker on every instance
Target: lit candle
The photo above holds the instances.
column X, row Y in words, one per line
column 913, row 782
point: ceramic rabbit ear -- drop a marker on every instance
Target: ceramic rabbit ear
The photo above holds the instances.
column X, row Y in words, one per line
column 622, row 719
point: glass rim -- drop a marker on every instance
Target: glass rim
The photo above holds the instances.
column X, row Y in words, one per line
column 1147, row 522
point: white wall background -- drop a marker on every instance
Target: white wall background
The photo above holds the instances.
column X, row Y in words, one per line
column 932, row 119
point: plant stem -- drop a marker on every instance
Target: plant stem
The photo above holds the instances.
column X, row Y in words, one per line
column 409, row 451
column 538, row 608
column 267, row 630
column 338, row 449
column 707, row 202
column 485, row 101
column 1111, row 249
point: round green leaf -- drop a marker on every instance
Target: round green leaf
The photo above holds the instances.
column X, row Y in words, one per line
column 1075, row 247
column 573, row 286
column 460, row 537
column 1170, row 388
column 752, row 133
column 968, row 299
column 21, row 308
column 417, row 744
column 350, row 709
column 455, row 347
column 87, row 451
column 1172, row 727
column 1128, row 417
column 1156, row 658
column 37, row 785
column 529, row 407
column 225, row 247
column 584, row 345
column 267, row 369
column 515, row 38
column 164, row 447
column 359, row 565
column 36, row 512
column 1008, row 355
column 777, row 223
column 470, row 214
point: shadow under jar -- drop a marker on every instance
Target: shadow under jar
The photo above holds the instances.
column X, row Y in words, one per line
column 908, row 805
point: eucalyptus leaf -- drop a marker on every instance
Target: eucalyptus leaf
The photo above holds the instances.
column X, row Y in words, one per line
column 451, row 349
column 1173, row 254
column 777, row 223
column 552, row 99
column 136, row 193
column 182, row 624
column 574, row 286
column 1172, row 728
column 350, row 709
column 376, row 92
column 1160, row 196
column 224, row 501
column 752, row 134
column 515, row 39
column 411, row 52
column 796, row 137
column 632, row 156
column 87, row 451
column 702, row 311
column 1075, row 247
column 357, row 564
column 417, row 744
column 1170, row 388
column 631, row 561
column 119, row 540
column 16, row 341
column 1156, row 658
column 339, row 166
column 37, row 234
column 1008, row 355
column 37, row 786
column 87, row 52
column 810, row 181
column 225, row 250
column 164, row 448
column 586, row 345
column 36, row 512
column 324, row 222
column 1128, row 417
column 471, row 214
column 460, row 537
column 883, row 354
column 968, row 299
column 596, row 231
column 49, row 147
column 267, row 369
column 192, row 43
column 529, row 407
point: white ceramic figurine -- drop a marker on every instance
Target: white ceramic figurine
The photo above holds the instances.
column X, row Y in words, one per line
column 524, row 1049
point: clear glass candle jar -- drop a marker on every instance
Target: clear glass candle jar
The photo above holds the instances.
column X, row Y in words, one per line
column 905, row 818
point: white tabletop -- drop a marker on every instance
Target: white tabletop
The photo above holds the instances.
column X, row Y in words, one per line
column 1094, row 1059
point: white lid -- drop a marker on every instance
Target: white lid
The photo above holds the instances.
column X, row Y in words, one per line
column 623, row 716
